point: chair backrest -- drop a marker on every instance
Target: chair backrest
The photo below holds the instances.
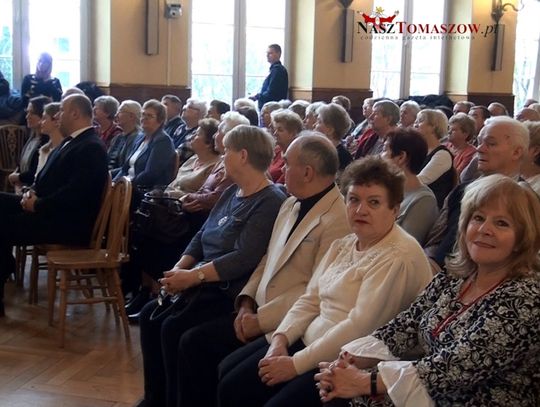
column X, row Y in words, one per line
column 98, row 233
column 119, row 219
column 12, row 139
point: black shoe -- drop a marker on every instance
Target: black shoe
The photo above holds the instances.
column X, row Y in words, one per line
column 136, row 304
column 134, row 318
column 2, row 310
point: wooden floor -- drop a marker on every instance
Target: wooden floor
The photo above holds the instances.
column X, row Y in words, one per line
column 97, row 368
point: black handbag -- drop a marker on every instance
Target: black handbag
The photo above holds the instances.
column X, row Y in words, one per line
column 160, row 218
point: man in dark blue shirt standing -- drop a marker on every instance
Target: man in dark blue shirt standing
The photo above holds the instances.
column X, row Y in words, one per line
column 276, row 85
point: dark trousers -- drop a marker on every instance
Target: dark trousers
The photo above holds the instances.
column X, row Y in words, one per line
column 160, row 341
column 201, row 350
column 18, row 227
column 240, row 385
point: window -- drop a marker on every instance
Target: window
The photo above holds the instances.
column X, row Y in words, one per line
column 40, row 27
column 405, row 66
column 527, row 66
column 228, row 45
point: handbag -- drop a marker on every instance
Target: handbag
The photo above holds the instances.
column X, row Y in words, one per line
column 160, row 218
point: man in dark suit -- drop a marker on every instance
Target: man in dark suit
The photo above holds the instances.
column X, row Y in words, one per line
column 276, row 85
column 64, row 201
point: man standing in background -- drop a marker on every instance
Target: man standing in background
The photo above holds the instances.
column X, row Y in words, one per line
column 276, row 85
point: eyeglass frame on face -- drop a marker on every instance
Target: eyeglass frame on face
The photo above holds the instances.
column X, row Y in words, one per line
column 145, row 115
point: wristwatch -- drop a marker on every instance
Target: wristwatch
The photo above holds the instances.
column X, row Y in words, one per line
column 200, row 275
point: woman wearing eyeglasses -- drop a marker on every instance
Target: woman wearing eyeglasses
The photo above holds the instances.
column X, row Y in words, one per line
column 151, row 162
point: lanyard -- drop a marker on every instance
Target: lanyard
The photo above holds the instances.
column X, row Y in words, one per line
column 453, row 316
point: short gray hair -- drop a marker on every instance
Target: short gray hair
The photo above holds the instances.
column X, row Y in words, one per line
column 465, row 122
column 335, row 116
column 412, row 105
column 290, row 120
column 258, row 143
column 299, row 107
column 158, row 107
column 313, row 108
column 109, row 104
column 200, row 105
column 317, row 152
column 133, row 107
column 519, row 134
column 230, row 120
column 244, row 102
column 388, row 109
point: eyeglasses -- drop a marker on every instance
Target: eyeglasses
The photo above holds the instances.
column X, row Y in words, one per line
column 148, row 116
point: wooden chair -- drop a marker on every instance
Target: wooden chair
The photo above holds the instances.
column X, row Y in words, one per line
column 12, row 139
column 42, row 249
column 77, row 266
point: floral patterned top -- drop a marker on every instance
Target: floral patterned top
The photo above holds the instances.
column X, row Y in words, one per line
column 488, row 356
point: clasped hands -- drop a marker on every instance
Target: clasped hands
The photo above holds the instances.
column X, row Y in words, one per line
column 28, row 200
column 177, row 280
column 277, row 366
column 342, row 379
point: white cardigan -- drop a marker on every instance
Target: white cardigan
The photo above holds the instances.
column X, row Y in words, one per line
column 354, row 292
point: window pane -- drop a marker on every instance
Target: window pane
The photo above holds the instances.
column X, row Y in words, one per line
column 265, row 25
column 426, row 54
column 213, row 11
column 208, row 87
column 527, row 48
column 386, row 57
column 58, row 34
column 6, row 40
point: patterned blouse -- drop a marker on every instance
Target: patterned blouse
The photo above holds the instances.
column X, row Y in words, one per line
column 488, row 356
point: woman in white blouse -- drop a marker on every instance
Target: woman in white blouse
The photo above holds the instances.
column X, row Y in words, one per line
column 475, row 327
column 363, row 281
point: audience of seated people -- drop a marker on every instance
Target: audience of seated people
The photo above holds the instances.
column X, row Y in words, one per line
column 307, row 224
column 218, row 261
column 267, row 337
column 364, row 280
column 25, row 172
column 151, row 256
column 476, row 324
column 105, row 109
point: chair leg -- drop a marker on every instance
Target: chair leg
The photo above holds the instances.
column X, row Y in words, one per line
column 117, row 287
column 51, row 291
column 63, row 306
column 34, row 275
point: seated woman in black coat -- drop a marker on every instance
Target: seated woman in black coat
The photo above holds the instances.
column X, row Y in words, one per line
column 25, row 173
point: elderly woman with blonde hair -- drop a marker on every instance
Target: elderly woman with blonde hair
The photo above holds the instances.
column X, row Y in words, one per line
column 477, row 323
column 438, row 171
